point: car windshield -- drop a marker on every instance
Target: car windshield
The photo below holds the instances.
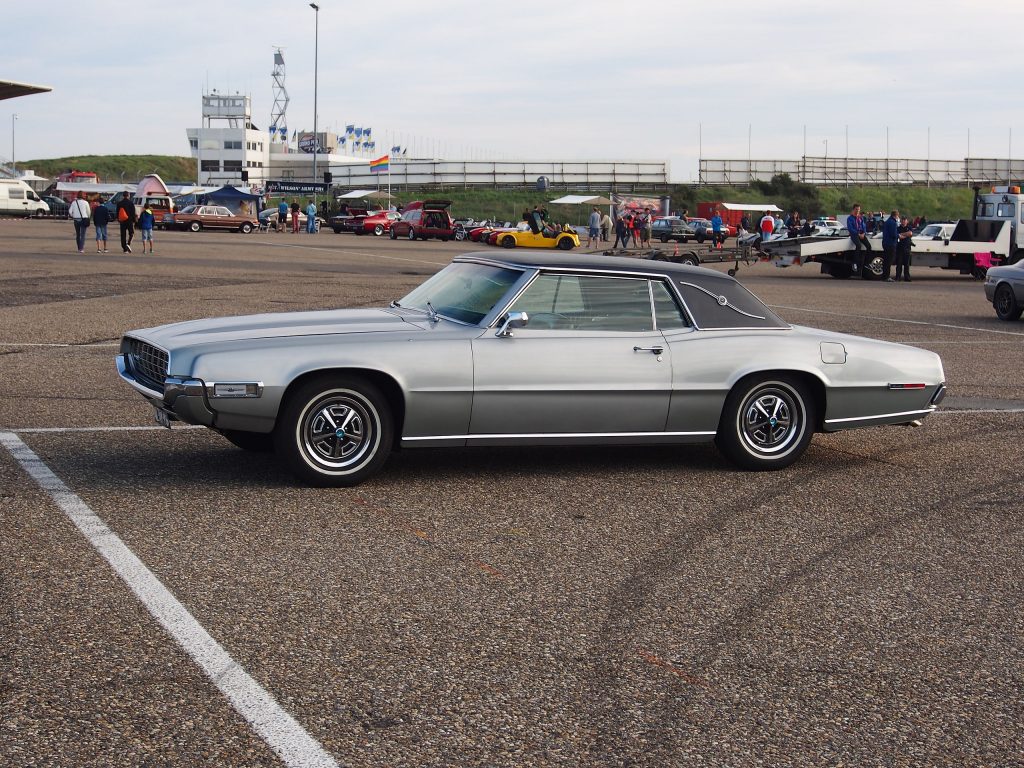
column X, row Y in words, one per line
column 465, row 292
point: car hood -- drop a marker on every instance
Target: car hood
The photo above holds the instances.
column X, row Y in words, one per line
column 276, row 325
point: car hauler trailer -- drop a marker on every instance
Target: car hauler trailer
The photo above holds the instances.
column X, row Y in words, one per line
column 1004, row 204
column 973, row 246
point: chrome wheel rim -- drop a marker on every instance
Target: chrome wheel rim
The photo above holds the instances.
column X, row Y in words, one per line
column 338, row 431
column 770, row 421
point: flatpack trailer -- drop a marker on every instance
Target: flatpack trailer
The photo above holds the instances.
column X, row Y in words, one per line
column 973, row 246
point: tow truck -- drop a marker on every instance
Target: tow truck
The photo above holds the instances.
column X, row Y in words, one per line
column 987, row 239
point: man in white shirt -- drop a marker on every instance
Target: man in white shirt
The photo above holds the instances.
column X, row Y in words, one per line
column 80, row 214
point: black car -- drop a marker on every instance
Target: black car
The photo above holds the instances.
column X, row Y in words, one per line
column 673, row 228
column 58, row 207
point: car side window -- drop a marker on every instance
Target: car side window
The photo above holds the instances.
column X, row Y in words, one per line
column 583, row 303
column 666, row 310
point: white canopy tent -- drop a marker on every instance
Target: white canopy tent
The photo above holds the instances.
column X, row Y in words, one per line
column 752, row 207
column 582, row 200
column 360, row 194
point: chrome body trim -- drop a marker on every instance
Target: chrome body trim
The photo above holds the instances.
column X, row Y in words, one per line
column 925, row 412
column 722, row 300
column 122, row 371
column 557, row 435
column 211, row 385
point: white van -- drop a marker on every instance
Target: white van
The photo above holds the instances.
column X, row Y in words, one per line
column 18, row 198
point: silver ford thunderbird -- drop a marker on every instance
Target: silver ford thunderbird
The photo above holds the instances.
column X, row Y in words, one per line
column 528, row 350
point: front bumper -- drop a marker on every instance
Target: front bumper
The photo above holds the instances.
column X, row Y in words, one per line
column 182, row 399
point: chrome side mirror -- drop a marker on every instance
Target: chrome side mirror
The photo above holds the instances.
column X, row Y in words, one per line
column 512, row 320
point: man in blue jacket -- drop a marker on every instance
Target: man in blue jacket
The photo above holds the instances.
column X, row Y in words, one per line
column 890, row 237
column 858, row 233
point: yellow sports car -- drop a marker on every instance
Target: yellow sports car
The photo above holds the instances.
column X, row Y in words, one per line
column 564, row 238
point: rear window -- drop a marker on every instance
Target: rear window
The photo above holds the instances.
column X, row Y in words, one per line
column 726, row 304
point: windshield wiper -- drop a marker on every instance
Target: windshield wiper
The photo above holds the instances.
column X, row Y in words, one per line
column 430, row 312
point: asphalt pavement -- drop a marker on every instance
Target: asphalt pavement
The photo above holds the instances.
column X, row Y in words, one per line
column 492, row 607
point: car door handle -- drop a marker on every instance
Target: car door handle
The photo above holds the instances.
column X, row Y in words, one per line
column 656, row 350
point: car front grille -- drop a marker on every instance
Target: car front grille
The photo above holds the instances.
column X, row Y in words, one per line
column 146, row 362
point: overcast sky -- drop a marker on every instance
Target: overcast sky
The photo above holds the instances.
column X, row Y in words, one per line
column 532, row 80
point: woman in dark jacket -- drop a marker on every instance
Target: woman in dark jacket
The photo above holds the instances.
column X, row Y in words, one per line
column 100, row 218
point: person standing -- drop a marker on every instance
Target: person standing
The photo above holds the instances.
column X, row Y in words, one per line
column 126, row 218
column 311, row 214
column 146, row 222
column 80, row 214
column 621, row 232
column 594, row 227
column 903, row 246
column 295, row 217
column 858, row 234
column 648, row 224
column 766, row 225
column 606, row 227
column 717, row 240
column 100, row 219
column 890, row 238
column 282, row 215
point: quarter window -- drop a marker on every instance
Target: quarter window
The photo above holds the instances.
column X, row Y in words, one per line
column 666, row 310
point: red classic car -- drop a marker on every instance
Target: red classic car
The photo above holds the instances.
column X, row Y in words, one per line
column 373, row 222
column 424, row 220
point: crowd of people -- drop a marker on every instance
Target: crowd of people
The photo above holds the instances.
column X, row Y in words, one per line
column 83, row 214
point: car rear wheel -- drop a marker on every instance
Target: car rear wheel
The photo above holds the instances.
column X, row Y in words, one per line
column 335, row 431
column 566, row 244
column 460, row 234
column 378, row 230
column 246, row 228
column 767, row 422
column 195, row 226
column 393, row 234
column 257, row 442
column 1005, row 304
column 508, row 242
column 689, row 259
column 412, row 234
column 663, row 238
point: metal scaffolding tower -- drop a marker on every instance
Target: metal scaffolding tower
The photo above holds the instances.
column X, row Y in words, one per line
column 278, row 119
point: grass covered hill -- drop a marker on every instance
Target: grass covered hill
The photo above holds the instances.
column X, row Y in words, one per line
column 937, row 203
column 114, row 168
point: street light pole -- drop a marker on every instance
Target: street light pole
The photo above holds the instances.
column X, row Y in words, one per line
column 14, row 117
column 316, row 59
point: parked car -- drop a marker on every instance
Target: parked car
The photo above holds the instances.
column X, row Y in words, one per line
column 372, row 222
column 477, row 355
column 58, row 206
column 1004, row 287
column 564, row 239
column 422, row 220
column 939, row 230
column 672, row 228
column 704, row 230
column 19, row 199
column 199, row 217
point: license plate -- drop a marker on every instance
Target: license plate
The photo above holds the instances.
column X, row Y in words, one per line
column 161, row 418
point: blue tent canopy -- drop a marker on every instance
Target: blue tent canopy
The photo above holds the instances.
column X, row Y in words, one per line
column 230, row 193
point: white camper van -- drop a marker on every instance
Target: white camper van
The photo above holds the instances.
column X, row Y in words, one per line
column 18, row 199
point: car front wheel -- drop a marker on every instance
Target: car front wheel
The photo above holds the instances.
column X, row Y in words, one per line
column 1005, row 304
column 335, row 431
column 412, row 234
column 393, row 234
column 246, row 228
column 378, row 230
column 195, row 226
column 566, row 244
column 767, row 423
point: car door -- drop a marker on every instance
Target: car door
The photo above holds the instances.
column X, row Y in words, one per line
column 589, row 363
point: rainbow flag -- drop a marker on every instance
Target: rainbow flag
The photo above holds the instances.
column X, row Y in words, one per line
column 380, row 165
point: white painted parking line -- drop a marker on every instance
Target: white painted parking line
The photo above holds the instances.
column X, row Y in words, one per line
column 69, row 344
column 275, row 726
column 895, row 320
